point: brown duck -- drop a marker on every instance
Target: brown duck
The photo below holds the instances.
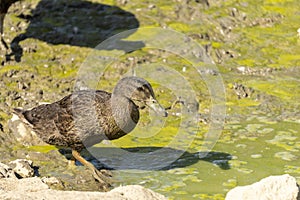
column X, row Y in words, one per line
column 87, row 117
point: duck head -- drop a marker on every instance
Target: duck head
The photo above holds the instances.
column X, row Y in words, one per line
column 140, row 92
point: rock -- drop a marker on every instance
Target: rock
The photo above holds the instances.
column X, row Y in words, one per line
column 53, row 183
column 34, row 188
column 137, row 192
column 22, row 133
column 22, row 167
column 282, row 187
column 6, row 171
column 50, row 180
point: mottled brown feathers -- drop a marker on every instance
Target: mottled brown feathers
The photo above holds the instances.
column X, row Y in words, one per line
column 86, row 117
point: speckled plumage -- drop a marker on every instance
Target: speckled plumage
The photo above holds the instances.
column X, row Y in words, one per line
column 85, row 117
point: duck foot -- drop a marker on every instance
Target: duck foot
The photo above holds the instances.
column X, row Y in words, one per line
column 103, row 176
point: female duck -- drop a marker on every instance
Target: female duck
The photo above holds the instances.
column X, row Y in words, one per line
column 87, row 117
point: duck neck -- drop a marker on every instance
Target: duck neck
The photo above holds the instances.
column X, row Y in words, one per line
column 125, row 112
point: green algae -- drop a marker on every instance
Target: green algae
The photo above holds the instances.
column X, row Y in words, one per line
column 42, row 149
column 284, row 89
column 285, row 156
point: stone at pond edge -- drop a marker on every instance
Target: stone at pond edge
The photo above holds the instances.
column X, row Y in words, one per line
column 6, row 171
column 34, row 188
column 22, row 133
column 22, row 167
column 283, row 187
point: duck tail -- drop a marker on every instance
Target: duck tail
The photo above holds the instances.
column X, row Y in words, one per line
column 17, row 111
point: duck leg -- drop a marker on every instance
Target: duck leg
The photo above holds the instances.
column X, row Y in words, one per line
column 99, row 176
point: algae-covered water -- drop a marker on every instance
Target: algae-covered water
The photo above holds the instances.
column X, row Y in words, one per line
column 239, row 117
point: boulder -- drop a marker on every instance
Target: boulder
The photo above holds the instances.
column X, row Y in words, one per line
column 22, row 133
column 136, row 192
column 6, row 171
column 283, row 187
column 22, row 167
column 34, row 188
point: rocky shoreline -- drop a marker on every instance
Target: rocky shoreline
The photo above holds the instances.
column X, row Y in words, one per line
column 282, row 187
column 18, row 181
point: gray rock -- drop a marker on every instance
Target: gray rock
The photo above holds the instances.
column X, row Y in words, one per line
column 137, row 192
column 34, row 188
column 22, row 167
column 22, row 133
column 6, row 171
column 282, row 187
column 50, row 180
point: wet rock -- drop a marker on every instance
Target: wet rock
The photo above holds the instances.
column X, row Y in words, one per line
column 257, row 72
column 34, row 188
column 22, row 167
column 209, row 72
column 50, row 180
column 242, row 91
column 267, row 21
column 53, row 183
column 282, row 187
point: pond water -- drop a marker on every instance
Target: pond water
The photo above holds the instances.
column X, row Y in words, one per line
column 257, row 141
column 260, row 136
column 272, row 150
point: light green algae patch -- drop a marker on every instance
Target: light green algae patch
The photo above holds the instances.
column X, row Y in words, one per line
column 42, row 149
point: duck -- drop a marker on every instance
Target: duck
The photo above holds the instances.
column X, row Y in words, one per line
column 4, row 6
column 87, row 117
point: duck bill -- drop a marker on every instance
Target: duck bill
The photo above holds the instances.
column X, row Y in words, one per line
column 157, row 108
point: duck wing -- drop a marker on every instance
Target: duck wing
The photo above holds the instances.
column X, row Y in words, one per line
column 69, row 121
column 44, row 120
column 90, row 112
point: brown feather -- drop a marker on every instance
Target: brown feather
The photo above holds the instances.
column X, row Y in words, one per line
column 87, row 117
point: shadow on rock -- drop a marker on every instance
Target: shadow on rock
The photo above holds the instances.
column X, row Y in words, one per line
column 79, row 23
column 151, row 158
